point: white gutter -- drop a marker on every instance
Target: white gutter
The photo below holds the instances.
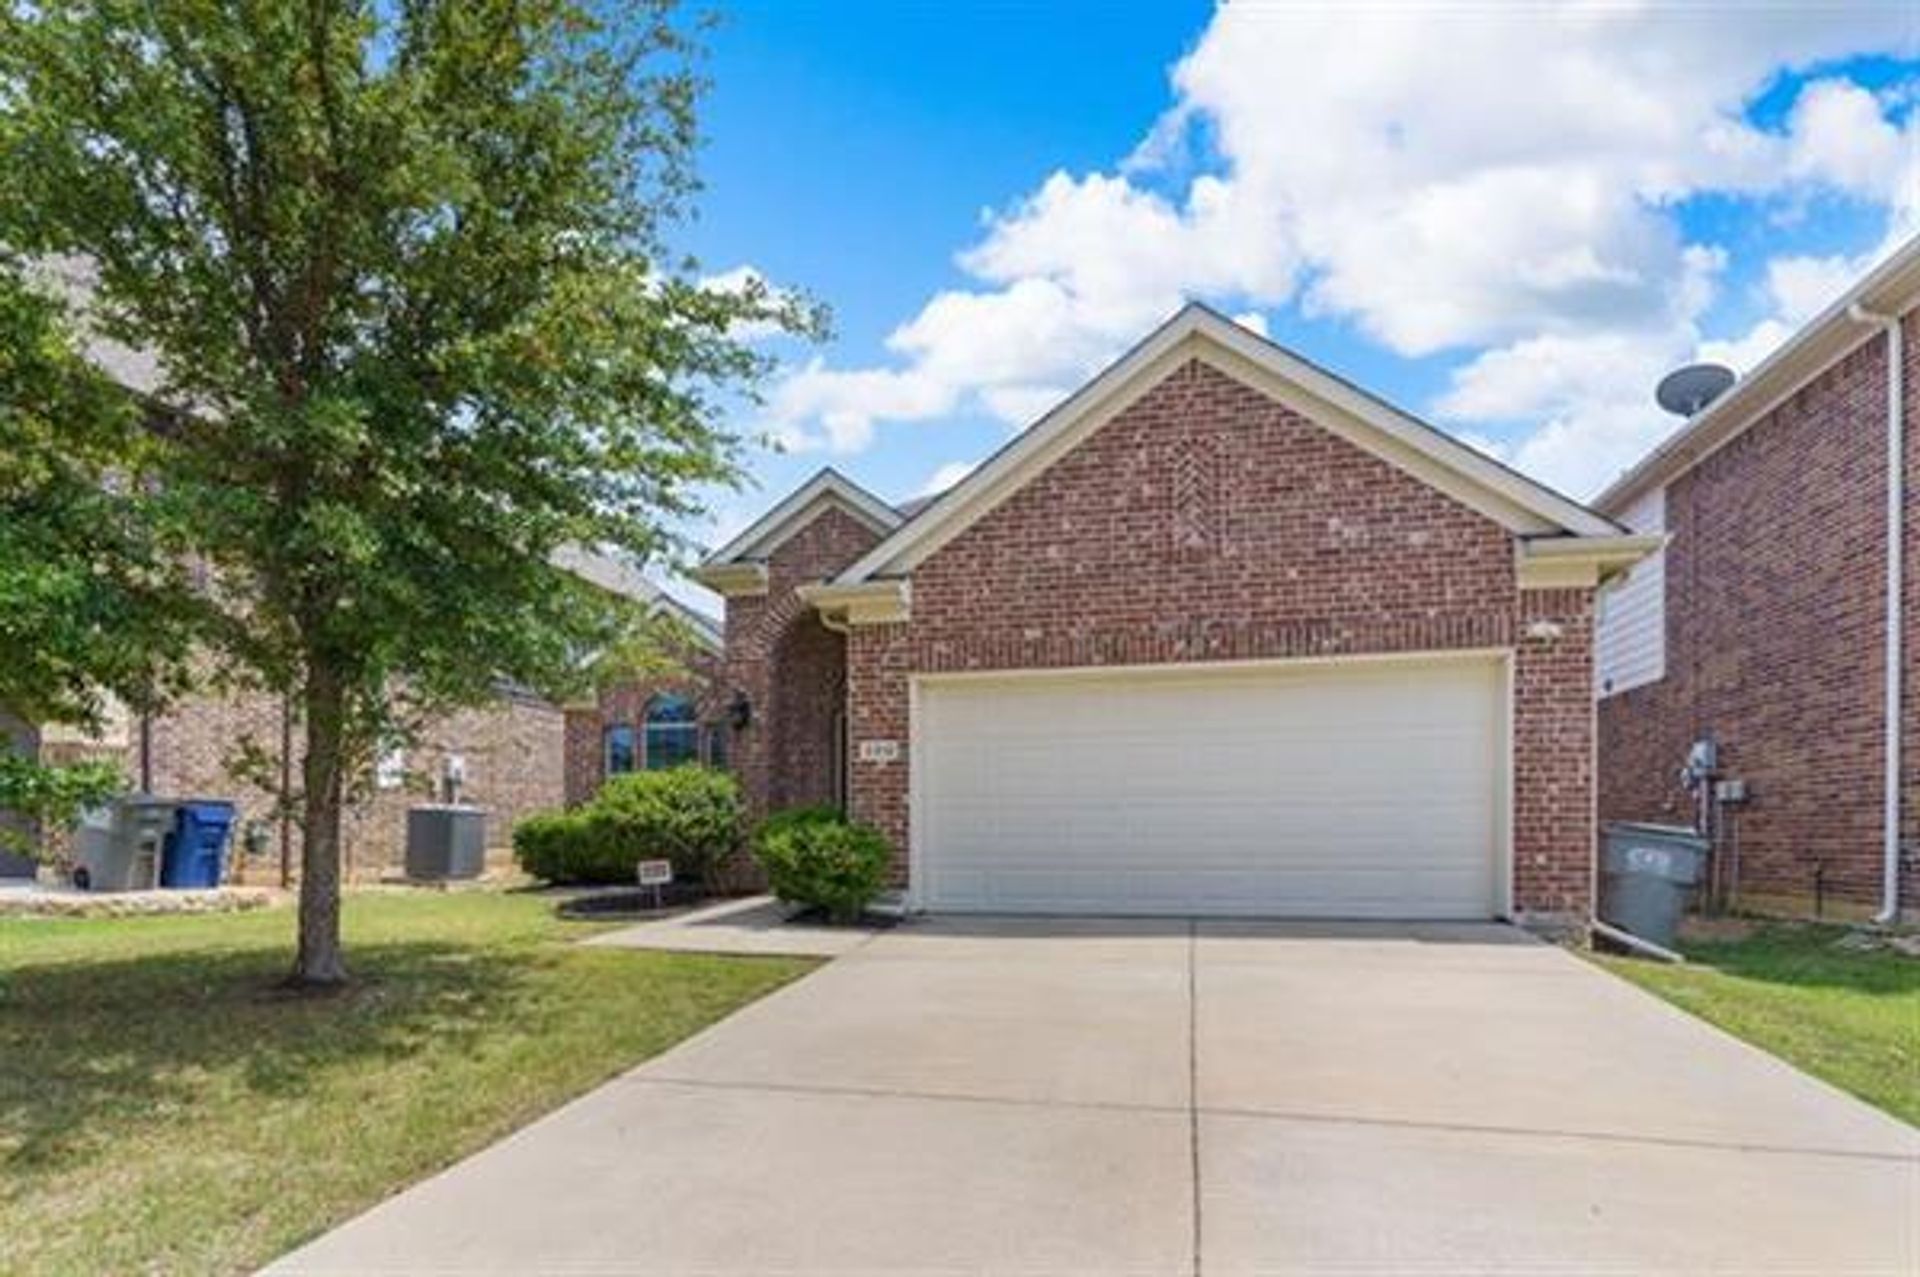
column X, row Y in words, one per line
column 1896, row 508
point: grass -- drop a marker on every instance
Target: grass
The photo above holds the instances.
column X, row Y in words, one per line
column 163, row 1108
column 1850, row 1017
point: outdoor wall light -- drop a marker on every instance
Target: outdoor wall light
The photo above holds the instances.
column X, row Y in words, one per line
column 740, row 711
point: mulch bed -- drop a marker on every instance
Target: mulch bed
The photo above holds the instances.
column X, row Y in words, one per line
column 633, row 902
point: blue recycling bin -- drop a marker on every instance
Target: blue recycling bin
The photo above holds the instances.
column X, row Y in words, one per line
column 195, row 853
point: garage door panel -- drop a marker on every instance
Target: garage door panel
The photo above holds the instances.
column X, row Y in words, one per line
column 1355, row 791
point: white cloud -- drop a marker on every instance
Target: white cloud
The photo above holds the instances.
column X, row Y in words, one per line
column 743, row 279
column 1842, row 138
column 945, row 477
column 1591, row 395
column 1802, row 287
column 816, row 407
column 1795, row 289
column 1744, row 351
column 1497, row 182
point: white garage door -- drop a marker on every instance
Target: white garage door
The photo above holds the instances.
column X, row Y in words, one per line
column 1355, row 790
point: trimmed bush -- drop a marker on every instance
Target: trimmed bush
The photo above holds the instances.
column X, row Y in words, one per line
column 579, row 846
column 815, row 856
column 690, row 815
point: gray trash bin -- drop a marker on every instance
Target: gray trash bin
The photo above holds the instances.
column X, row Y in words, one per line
column 118, row 847
column 446, row 840
column 1647, row 875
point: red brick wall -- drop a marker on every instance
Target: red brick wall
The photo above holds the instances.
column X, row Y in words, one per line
column 1207, row 522
column 791, row 667
column 1774, row 642
column 513, row 751
column 626, row 703
column 1553, row 752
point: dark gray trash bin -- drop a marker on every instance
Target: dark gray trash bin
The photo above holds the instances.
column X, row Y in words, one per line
column 446, row 840
column 118, row 847
column 1647, row 874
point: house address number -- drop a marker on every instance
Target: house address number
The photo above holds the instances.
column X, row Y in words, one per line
column 879, row 751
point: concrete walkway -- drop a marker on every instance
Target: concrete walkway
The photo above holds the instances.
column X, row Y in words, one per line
column 751, row 925
column 1084, row 1097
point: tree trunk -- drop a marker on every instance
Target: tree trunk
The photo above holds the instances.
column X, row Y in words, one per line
column 320, row 962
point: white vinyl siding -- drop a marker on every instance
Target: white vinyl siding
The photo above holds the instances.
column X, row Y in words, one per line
column 1328, row 789
column 1630, row 641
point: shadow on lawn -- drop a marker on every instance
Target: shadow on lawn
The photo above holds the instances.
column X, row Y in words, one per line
column 1807, row 955
column 88, row 1046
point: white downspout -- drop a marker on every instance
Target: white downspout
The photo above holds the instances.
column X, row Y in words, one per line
column 1896, row 510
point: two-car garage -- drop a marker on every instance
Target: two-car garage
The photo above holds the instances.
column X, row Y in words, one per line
column 1371, row 788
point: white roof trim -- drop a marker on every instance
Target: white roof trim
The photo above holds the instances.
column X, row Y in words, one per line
column 1830, row 336
column 869, row 603
column 776, row 525
column 1575, row 561
column 1478, row 481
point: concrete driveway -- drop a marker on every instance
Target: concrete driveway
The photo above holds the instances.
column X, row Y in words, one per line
column 1043, row 1096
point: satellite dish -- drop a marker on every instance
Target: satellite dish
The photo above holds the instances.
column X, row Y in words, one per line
column 1685, row 391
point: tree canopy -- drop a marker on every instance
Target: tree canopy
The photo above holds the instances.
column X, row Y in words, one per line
column 405, row 268
column 92, row 607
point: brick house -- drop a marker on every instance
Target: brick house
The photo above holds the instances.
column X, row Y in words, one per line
column 1770, row 623
column 517, row 755
column 672, row 717
column 509, row 753
column 1221, row 633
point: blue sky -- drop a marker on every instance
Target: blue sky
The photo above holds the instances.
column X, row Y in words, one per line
column 1509, row 221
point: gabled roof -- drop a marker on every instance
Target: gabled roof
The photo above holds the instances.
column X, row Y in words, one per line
column 619, row 576
column 1890, row 288
column 1524, row 506
column 827, row 488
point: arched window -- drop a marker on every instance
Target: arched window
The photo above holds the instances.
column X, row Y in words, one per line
column 618, row 740
column 672, row 732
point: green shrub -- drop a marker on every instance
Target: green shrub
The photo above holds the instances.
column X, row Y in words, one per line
column 689, row 815
column 815, row 856
column 573, row 847
column 542, row 841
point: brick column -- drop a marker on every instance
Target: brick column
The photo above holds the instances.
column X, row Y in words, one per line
column 1553, row 754
column 877, row 709
column 748, row 668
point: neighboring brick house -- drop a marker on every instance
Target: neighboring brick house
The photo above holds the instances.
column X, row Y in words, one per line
column 510, row 753
column 519, row 755
column 516, row 756
column 638, row 724
column 1219, row 634
column 1764, row 623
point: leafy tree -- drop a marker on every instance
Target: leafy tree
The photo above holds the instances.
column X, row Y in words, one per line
column 91, row 604
column 405, row 264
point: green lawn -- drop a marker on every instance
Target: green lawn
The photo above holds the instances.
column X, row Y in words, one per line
column 1852, row 1018
column 164, row 1108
